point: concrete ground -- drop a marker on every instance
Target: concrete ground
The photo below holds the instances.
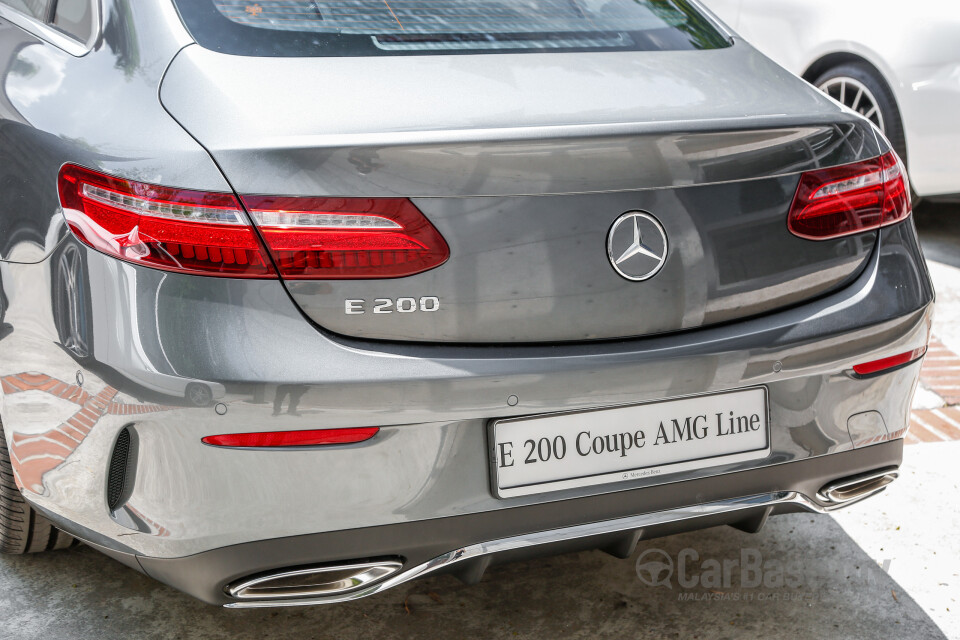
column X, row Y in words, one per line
column 887, row 568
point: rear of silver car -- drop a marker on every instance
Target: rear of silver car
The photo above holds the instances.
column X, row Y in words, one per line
column 616, row 322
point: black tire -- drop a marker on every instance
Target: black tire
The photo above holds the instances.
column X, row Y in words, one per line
column 882, row 95
column 23, row 530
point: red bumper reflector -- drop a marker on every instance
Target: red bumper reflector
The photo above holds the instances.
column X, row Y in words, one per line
column 883, row 364
column 311, row 438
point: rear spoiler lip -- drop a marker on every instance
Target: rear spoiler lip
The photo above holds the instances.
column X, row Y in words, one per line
column 565, row 160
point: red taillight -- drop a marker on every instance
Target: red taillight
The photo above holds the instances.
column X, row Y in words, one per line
column 342, row 238
column 314, row 437
column 171, row 229
column 849, row 199
column 208, row 233
column 876, row 366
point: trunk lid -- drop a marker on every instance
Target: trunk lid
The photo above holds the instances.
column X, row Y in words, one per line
column 524, row 163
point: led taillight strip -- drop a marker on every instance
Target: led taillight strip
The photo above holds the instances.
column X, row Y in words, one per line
column 208, row 233
column 314, row 220
column 158, row 209
column 840, row 201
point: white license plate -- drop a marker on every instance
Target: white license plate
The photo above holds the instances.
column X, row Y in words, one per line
column 583, row 448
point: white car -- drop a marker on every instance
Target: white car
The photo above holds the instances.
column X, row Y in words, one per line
column 901, row 69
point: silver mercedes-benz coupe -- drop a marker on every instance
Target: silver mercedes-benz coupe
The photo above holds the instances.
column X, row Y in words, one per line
column 302, row 300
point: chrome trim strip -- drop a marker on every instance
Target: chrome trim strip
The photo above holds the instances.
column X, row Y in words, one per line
column 550, row 536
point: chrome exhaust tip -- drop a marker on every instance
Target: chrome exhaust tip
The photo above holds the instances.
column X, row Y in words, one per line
column 312, row 581
column 850, row 490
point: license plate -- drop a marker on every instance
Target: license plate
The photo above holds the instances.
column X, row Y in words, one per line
column 583, row 448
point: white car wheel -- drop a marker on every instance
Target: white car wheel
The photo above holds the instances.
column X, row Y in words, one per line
column 852, row 93
column 860, row 87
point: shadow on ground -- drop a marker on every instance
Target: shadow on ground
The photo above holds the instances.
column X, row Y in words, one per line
column 939, row 228
column 820, row 584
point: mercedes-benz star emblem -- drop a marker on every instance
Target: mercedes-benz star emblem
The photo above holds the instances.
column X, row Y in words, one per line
column 637, row 246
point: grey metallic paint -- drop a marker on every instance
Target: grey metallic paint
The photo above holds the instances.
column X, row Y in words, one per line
column 432, row 402
column 99, row 110
column 588, row 138
column 581, row 123
column 535, row 269
column 584, row 126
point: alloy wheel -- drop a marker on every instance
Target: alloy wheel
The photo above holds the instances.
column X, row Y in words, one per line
column 855, row 95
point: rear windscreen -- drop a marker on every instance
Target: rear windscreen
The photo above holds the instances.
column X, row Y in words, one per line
column 406, row 27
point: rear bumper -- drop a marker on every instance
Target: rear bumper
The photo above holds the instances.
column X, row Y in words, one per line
column 428, row 467
column 466, row 545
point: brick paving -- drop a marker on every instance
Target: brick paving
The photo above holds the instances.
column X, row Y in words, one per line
column 941, row 374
